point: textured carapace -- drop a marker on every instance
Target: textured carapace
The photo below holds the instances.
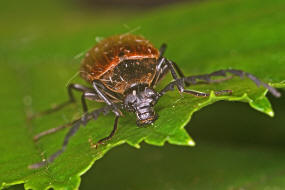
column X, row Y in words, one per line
column 121, row 61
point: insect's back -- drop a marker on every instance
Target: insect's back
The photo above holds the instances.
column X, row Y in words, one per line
column 120, row 62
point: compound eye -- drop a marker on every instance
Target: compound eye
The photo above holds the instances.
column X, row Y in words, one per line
column 149, row 92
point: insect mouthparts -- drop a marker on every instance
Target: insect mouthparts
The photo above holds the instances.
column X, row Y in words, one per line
column 146, row 118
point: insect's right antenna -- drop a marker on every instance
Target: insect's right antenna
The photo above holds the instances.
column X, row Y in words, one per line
column 131, row 30
column 75, row 75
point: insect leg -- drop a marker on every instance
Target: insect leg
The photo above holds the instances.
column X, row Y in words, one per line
column 70, row 89
column 178, row 83
column 207, row 78
column 162, row 49
column 179, row 71
column 88, row 95
column 70, row 133
column 104, row 97
column 75, row 126
column 105, row 110
column 161, row 71
column 171, row 86
column 181, row 82
column 102, row 141
column 163, row 68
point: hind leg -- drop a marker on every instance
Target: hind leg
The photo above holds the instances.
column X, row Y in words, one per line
column 72, row 131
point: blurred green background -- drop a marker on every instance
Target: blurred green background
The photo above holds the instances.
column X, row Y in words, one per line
column 237, row 148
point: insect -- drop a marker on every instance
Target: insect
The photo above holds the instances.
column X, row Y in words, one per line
column 123, row 71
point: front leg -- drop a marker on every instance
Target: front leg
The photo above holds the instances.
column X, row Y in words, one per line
column 223, row 73
column 171, row 85
column 101, row 93
column 206, row 78
column 178, row 83
column 105, row 139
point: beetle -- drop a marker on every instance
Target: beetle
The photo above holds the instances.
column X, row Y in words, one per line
column 123, row 71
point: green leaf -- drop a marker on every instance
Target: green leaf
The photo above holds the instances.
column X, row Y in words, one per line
column 39, row 62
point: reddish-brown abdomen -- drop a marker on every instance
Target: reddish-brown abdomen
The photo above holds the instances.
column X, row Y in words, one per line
column 111, row 51
column 101, row 60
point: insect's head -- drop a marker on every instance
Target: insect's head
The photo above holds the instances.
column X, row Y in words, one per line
column 141, row 100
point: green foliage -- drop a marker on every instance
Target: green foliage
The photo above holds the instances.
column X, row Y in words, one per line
column 38, row 61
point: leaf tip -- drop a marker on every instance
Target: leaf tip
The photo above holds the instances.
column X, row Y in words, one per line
column 191, row 143
column 270, row 113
